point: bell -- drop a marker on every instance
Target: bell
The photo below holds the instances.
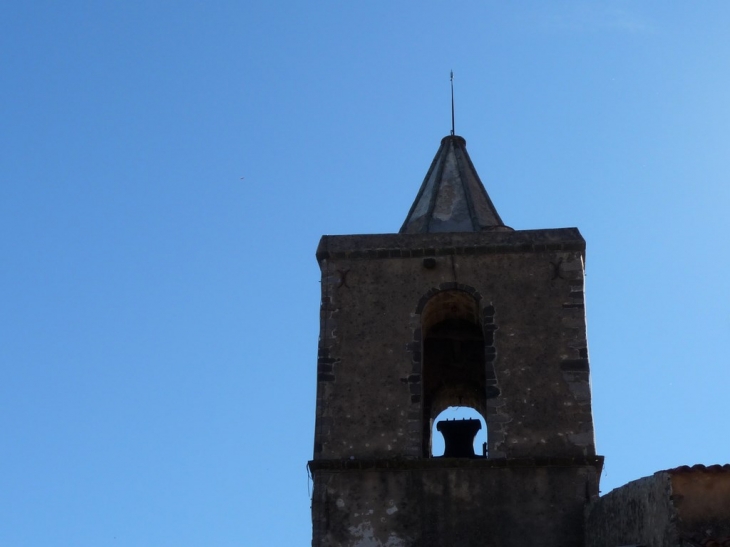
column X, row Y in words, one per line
column 459, row 437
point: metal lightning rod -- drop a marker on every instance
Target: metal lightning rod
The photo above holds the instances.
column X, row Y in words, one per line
column 452, row 103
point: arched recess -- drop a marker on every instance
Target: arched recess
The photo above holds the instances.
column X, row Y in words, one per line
column 457, row 355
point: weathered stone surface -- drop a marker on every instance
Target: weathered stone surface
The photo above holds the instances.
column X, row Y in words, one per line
column 494, row 299
column 638, row 513
column 701, row 497
column 368, row 246
column 530, row 340
column 675, row 508
column 444, row 506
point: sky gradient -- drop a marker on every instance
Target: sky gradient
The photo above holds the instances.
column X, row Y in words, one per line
column 167, row 169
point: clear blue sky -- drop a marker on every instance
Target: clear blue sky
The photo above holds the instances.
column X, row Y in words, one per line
column 159, row 313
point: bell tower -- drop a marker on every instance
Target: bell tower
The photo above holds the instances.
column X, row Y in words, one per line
column 455, row 310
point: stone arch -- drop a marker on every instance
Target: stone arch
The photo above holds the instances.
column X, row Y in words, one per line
column 453, row 355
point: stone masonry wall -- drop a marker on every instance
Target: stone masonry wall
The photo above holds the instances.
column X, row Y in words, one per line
column 466, row 504
column 638, row 513
column 529, row 286
column 701, row 496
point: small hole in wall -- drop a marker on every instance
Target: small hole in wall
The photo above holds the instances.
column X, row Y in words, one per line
column 458, row 413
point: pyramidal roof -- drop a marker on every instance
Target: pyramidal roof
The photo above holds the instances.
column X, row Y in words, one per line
column 452, row 198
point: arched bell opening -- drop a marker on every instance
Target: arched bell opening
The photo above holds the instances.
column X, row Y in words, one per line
column 459, row 432
column 454, row 371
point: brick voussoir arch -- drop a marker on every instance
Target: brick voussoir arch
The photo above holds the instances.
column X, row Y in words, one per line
column 451, row 286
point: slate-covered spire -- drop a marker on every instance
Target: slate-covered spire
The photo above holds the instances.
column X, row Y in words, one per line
column 452, row 198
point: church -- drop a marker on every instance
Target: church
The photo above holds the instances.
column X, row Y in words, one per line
column 459, row 310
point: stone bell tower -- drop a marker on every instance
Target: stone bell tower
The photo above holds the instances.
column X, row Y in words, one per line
column 456, row 309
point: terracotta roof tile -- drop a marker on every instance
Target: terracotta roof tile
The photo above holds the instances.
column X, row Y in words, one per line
column 717, row 468
column 708, row 541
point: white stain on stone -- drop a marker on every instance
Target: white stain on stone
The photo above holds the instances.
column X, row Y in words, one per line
column 340, row 503
column 394, row 541
column 365, row 536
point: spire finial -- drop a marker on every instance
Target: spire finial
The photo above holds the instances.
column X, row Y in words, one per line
column 452, row 103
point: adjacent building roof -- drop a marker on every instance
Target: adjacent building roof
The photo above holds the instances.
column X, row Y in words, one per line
column 698, row 467
column 708, row 542
column 452, row 198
